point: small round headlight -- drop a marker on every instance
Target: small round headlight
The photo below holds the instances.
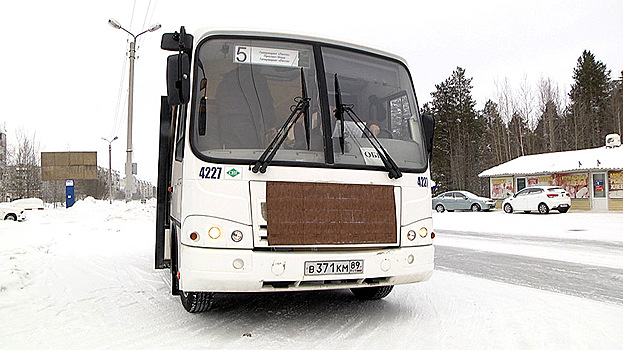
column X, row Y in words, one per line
column 236, row 236
column 214, row 232
column 411, row 235
column 423, row 232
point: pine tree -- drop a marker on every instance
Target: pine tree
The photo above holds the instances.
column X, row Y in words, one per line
column 616, row 103
column 589, row 95
column 457, row 134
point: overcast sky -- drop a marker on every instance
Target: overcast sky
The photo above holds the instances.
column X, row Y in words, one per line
column 64, row 70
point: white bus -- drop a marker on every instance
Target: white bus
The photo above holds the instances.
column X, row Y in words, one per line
column 290, row 163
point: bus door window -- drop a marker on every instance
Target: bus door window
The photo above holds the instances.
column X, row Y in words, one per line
column 179, row 115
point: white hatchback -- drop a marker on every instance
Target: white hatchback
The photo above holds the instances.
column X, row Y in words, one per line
column 540, row 198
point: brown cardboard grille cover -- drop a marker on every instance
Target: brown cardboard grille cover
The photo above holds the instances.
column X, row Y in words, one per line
column 301, row 213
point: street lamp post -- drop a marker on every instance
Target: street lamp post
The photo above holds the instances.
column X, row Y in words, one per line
column 128, row 164
column 109, row 167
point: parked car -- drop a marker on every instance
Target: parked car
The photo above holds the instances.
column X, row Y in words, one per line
column 461, row 200
column 28, row 203
column 540, row 198
column 8, row 212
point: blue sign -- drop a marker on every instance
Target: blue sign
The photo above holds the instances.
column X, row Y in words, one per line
column 69, row 193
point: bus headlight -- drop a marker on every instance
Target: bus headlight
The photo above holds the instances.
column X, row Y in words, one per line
column 209, row 232
column 236, row 236
column 214, row 232
column 411, row 235
column 423, row 232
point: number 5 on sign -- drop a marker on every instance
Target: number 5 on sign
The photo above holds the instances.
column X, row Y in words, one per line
column 243, row 54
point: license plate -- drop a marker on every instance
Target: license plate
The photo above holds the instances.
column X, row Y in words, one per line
column 339, row 267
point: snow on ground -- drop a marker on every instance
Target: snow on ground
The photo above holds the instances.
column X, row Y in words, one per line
column 83, row 278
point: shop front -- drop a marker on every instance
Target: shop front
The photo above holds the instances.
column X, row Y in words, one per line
column 593, row 190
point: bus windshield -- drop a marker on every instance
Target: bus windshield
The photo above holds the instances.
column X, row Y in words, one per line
column 246, row 88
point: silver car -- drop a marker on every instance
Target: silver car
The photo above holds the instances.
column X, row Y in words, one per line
column 461, row 200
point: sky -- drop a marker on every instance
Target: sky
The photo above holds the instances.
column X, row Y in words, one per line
column 64, row 69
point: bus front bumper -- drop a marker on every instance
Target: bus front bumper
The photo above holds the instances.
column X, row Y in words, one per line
column 237, row 270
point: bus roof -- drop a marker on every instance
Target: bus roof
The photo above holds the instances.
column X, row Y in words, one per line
column 202, row 33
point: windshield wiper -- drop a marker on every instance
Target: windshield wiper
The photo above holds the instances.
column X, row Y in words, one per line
column 302, row 107
column 388, row 161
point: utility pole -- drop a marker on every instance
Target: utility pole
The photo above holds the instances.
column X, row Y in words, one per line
column 110, row 167
column 128, row 164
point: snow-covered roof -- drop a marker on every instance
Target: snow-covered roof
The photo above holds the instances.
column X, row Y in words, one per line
column 560, row 162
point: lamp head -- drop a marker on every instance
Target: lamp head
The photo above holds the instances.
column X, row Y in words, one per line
column 154, row 27
column 113, row 23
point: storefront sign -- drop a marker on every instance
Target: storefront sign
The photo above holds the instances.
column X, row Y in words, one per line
column 616, row 184
column 501, row 187
column 541, row 181
column 575, row 184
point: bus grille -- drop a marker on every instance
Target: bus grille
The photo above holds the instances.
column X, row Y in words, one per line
column 314, row 214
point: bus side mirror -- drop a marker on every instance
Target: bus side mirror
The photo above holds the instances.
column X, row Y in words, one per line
column 178, row 79
column 171, row 41
column 429, row 133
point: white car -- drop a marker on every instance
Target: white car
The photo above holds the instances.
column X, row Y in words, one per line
column 540, row 198
column 8, row 212
column 28, row 203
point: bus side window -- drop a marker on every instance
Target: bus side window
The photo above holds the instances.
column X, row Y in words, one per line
column 179, row 133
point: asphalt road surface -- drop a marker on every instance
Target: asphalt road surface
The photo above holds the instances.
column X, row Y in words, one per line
column 586, row 281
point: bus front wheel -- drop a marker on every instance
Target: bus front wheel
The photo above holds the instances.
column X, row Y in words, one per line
column 195, row 302
column 372, row 293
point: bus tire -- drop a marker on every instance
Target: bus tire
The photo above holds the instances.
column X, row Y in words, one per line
column 371, row 293
column 195, row 302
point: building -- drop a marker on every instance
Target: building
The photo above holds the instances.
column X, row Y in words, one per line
column 102, row 179
column 593, row 177
column 144, row 189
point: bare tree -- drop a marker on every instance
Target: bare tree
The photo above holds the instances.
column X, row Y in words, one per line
column 24, row 172
column 550, row 105
column 506, row 106
column 525, row 110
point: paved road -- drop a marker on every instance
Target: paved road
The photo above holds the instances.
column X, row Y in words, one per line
column 586, row 281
